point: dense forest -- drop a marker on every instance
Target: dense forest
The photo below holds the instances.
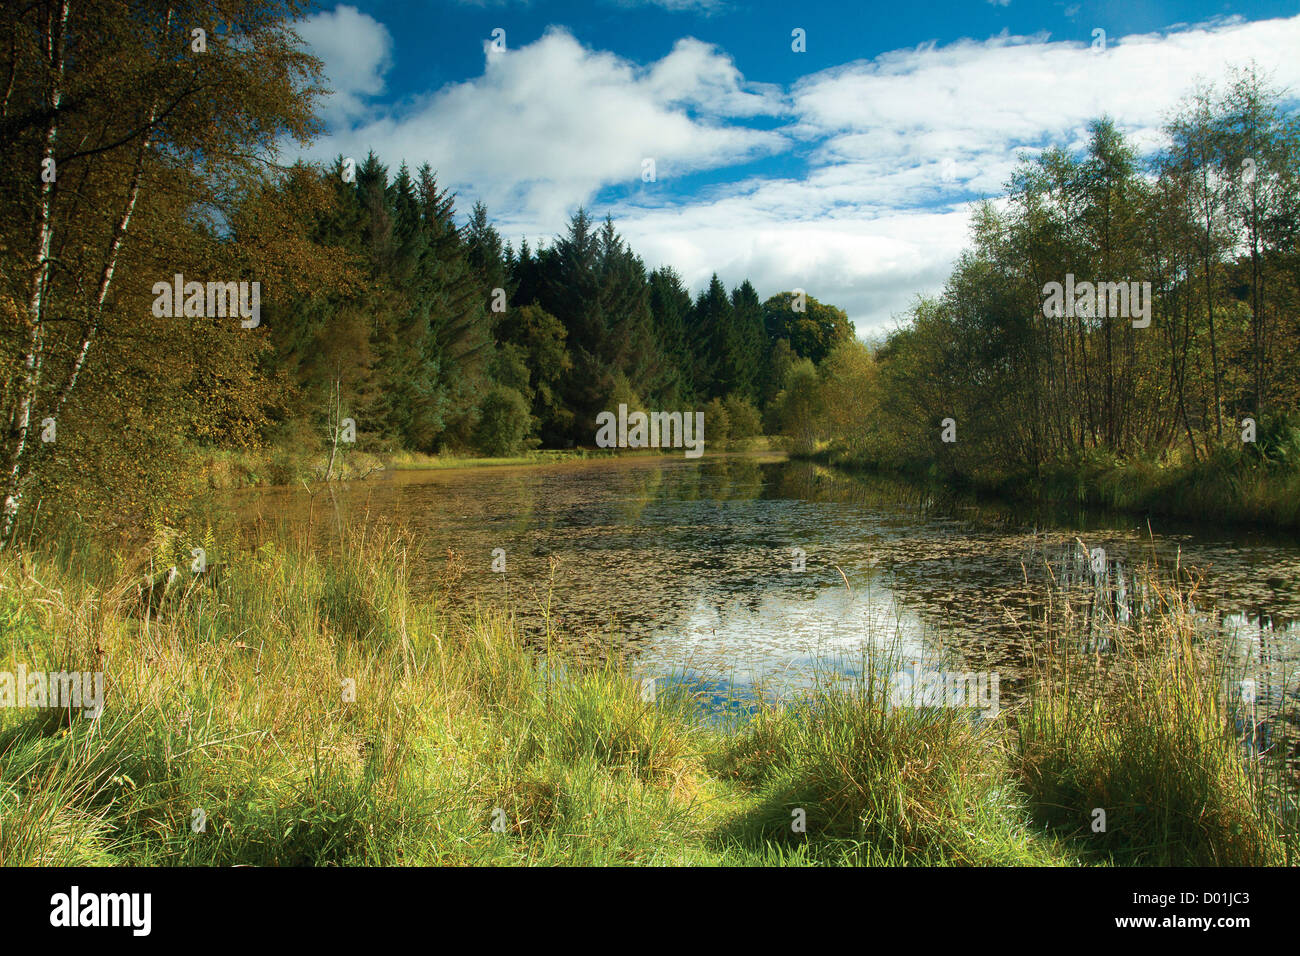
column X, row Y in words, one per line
column 447, row 337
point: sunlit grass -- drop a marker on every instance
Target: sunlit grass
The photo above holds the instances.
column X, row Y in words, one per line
column 309, row 711
column 1149, row 735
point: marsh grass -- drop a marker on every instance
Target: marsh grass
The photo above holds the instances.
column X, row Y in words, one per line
column 291, row 464
column 232, row 707
column 1150, row 733
column 1229, row 487
column 878, row 784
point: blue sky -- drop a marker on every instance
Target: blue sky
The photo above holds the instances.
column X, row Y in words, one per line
column 848, row 170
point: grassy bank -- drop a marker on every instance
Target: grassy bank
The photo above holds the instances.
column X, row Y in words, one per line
column 1228, row 488
column 308, row 710
column 224, row 469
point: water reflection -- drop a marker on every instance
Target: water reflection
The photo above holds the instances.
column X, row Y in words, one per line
column 691, row 566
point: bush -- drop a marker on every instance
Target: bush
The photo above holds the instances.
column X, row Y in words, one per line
column 743, row 417
column 505, row 423
column 796, row 412
column 1277, row 441
column 717, row 423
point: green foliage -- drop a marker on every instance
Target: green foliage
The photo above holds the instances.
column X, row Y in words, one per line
column 850, row 393
column 743, row 417
column 504, row 424
column 410, row 348
column 796, row 412
column 1277, row 441
column 670, row 308
column 539, row 339
column 717, row 423
column 812, row 332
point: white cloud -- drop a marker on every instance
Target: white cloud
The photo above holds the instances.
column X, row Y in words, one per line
column 870, row 265
column 698, row 75
column 896, row 148
column 874, row 222
column 357, row 51
column 550, row 123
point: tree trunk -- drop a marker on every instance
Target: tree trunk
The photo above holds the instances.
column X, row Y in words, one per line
column 30, row 378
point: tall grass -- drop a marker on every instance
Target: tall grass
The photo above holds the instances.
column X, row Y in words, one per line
column 1137, row 754
column 235, row 703
column 310, row 711
column 875, row 784
column 1230, row 487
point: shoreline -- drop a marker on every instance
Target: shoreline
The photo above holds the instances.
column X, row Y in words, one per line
column 227, row 470
column 1213, row 494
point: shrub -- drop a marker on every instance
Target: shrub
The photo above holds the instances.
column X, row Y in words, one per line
column 717, row 424
column 743, row 417
column 505, row 423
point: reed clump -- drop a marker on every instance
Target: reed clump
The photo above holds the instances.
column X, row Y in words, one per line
column 1138, row 753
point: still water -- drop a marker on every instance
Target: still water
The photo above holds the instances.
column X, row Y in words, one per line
column 750, row 572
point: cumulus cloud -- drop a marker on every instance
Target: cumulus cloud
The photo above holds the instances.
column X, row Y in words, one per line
column 871, row 265
column 550, row 123
column 698, row 75
column 907, row 142
column 357, row 52
column 893, row 151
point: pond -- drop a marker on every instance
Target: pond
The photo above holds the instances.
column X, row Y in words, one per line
column 749, row 572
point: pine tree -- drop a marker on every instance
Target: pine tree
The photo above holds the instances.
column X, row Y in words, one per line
column 484, row 251
column 570, row 290
column 746, row 342
column 525, row 276
column 670, row 309
column 711, row 326
column 629, row 347
column 461, row 344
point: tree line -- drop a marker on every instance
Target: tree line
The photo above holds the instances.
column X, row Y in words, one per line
column 449, row 337
column 1020, row 386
